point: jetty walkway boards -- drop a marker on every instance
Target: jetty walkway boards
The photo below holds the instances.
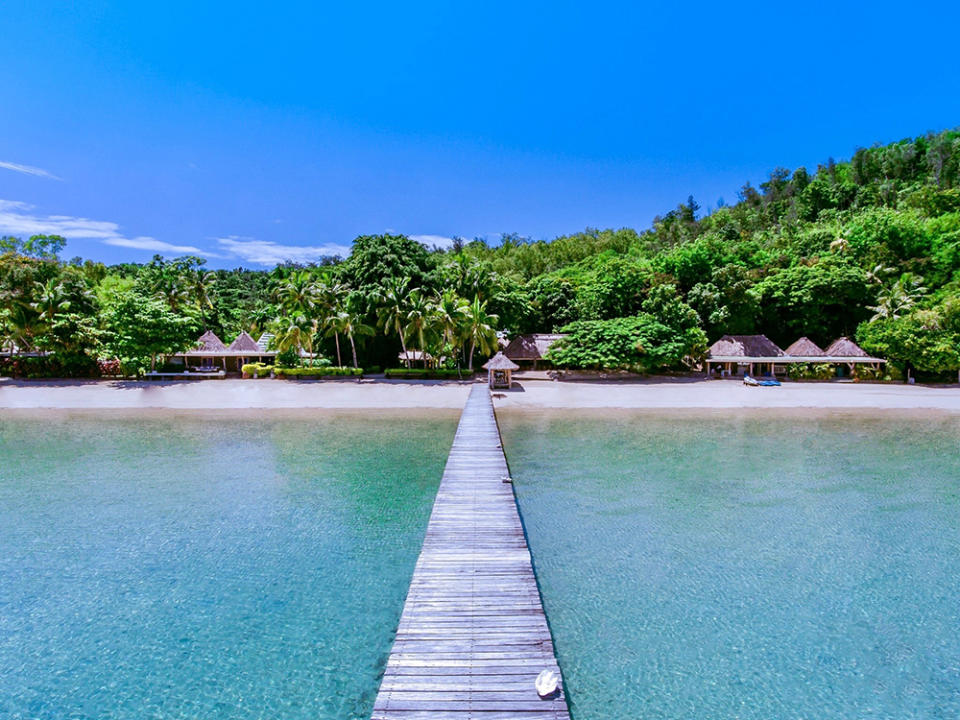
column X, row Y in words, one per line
column 473, row 637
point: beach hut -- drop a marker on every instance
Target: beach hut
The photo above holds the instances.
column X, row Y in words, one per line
column 245, row 349
column 804, row 348
column 499, row 369
column 845, row 355
column 209, row 342
column 412, row 357
column 735, row 355
column 531, row 348
column 210, row 353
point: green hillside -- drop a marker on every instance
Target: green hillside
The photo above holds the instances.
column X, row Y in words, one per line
column 868, row 248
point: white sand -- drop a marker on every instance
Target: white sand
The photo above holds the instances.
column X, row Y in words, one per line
column 229, row 394
column 532, row 394
column 722, row 394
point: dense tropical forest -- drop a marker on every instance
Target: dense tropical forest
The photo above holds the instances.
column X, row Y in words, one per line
column 868, row 248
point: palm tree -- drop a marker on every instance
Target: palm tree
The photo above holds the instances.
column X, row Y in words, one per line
column 333, row 306
column 51, row 300
column 899, row 298
column 294, row 333
column 480, row 329
column 352, row 324
column 22, row 325
column 201, row 285
column 450, row 312
column 393, row 306
column 298, row 296
column 418, row 320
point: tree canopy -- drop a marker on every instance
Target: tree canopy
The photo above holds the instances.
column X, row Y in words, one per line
column 868, row 247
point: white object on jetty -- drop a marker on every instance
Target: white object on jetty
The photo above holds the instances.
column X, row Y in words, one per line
column 506, row 479
column 547, row 683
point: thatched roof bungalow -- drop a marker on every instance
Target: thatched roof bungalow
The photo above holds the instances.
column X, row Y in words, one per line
column 210, row 353
column 531, row 348
column 757, row 354
column 415, row 356
column 244, row 343
column 740, row 347
column 499, row 370
column 210, row 343
column 804, row 347
column 753, row 354
column 844, row 347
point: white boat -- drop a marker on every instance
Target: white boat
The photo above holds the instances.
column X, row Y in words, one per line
column 547, row 683
column 753, row 382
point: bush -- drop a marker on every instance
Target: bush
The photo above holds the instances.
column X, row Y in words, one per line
column 49, row 366
column 318, row 372
column 427, row 373
column 810, row 371
column 257, row 369
column 865, row 372
column 288, row 358
column 640, row 344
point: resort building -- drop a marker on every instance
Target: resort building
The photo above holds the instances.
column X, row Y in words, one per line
column 758, row 356
column 531, row 348
column 211, row 354
column 414, row 358
column 845, row 355
column 736, row 355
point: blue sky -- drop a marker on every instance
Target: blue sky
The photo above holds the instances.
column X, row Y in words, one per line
column 252, row 134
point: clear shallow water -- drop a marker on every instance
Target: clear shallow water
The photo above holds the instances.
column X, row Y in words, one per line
column 199, row 567
column 748, row 566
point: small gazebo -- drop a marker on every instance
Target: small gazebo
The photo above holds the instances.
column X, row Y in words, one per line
column 499, row 368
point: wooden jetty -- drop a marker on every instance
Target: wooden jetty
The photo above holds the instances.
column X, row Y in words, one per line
column 473, row 637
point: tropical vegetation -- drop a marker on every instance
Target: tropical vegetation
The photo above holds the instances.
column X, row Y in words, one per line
column 867, row 248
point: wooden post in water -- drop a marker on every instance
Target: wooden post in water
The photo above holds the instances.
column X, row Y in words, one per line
column 473, row 636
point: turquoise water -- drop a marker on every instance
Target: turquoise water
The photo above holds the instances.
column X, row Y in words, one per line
column 746, row 566
column 207, row 567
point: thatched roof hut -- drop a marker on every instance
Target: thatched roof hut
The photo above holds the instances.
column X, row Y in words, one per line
column 531, row 348
column 744, row 346
column 500, row 362
column 245, row 344
column 845, row 347
column 499, row 370
column 804, row 347
column 210, row 352
column 210, row 343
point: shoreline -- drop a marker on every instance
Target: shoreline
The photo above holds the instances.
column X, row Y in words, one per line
column 528, row 395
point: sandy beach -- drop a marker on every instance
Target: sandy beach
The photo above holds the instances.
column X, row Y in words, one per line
column 527, row 395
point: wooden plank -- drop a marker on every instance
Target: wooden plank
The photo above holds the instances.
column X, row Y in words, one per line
column 472, row 637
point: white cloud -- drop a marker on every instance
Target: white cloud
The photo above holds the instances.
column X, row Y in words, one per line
column 149, row 243
column 268, row 253
column 18, row 218
column 440, row 241
column 28, row 170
